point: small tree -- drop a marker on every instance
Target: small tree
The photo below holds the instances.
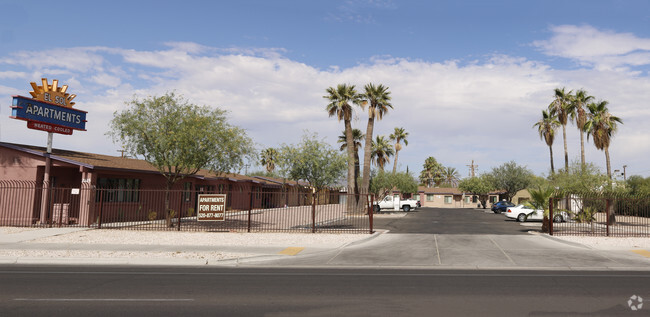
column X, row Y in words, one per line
column 383, row 183
column 314, row 161
column 511, row 178
column 179, row 138
column 539, row 200
column 478, row 186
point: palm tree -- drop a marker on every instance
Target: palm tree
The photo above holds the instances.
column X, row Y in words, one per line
column 601, row 125
column 431, row 173
column 357, row 137
column 341, row 99
column 451, row 176
column 560, row 108
column 546, row 128
column 268, row 159
column 381, row 152
column 578, row 112
column 399, row 135
column 377, row 98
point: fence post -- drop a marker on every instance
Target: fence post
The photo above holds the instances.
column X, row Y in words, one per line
column 607, row 202
column 313, row 212
column 550, row 215
column 180, row 209
column 101, row 207
column 250, row 208
column 371, row 211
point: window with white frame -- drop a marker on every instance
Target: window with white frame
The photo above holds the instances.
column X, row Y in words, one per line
column 448, row 199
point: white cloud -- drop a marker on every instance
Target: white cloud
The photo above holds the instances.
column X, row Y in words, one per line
column 602, row 49
column 482, row 110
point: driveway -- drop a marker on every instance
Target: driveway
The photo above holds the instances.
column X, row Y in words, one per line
column 451, row 221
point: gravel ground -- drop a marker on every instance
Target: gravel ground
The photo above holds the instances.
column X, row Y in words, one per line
column 111, row 236
column 124, row 237
column 608, row 243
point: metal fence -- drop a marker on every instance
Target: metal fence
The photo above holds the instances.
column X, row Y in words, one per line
column 615, row 217
column 247, row 209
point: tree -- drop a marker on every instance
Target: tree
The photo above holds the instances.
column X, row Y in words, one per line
column 357, row 136
column 546, row 128
column 377, row 98
column 578, row 113
column 341, row 100
column 179, row 138
column 637, row 185
column 560, row 108
column 269, row 158
column 313, row 161
column 478, row 186
column 381, row 152
column 539, row 200
column 431, row 173
column 451, row 176
column 511, row 178
column 601, row 125
column 580, row 179
column 399, row 135
column 383, row 183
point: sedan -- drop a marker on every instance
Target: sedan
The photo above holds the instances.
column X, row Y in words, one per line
column 523, row 213
column 501, row 206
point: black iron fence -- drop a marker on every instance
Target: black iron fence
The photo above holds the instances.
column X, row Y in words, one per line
column 246, row 208
column 600, row 216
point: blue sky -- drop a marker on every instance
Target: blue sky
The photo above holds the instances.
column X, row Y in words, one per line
column 468, row 78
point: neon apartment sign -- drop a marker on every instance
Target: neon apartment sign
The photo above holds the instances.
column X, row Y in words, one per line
column 49, row 110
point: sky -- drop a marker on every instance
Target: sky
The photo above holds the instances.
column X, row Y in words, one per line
column 468, row 79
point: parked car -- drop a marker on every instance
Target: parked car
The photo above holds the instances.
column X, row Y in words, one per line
column 390, row 202
column 501, row 206
column 523, row 213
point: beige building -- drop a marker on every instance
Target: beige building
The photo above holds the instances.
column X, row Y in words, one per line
column 450, row 198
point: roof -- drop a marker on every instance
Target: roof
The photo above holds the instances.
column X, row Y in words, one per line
column 108, row 162
column 448, row 191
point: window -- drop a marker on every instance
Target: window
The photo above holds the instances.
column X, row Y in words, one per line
column 468, row 199
column 448, row 199
column 187, row 192
column 474, row 199
column 430, row 197
column 118, row 189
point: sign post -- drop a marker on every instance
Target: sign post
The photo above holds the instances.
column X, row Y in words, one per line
column 50, row 110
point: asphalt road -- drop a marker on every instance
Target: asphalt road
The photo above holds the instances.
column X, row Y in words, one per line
column 451, row 221
column 144, row 291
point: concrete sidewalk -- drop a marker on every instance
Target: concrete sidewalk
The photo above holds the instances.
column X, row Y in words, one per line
column 380, row 250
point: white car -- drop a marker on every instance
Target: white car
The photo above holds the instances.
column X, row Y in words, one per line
column 523, row 213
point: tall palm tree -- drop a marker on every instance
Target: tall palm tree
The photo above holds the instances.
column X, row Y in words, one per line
column 451, row 176
column 377, row 98
column 357, row 136
column 381, row 152
column 601, row 125
column 578, row 112
column 399, row 135
column 546, row 128
column 560, row 108
column 341, row 100
column 268, row 159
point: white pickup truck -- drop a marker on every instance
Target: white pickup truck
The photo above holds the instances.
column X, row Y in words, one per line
column 395, row 203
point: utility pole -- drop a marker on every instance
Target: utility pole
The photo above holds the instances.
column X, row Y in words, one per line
column 122, row 151
column 472, row 169
column 624, row 174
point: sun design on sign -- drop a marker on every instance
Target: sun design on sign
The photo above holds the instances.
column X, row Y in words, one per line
column 52, row 93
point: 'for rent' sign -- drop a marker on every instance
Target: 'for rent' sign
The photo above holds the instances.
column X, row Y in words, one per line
column 211, row 207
